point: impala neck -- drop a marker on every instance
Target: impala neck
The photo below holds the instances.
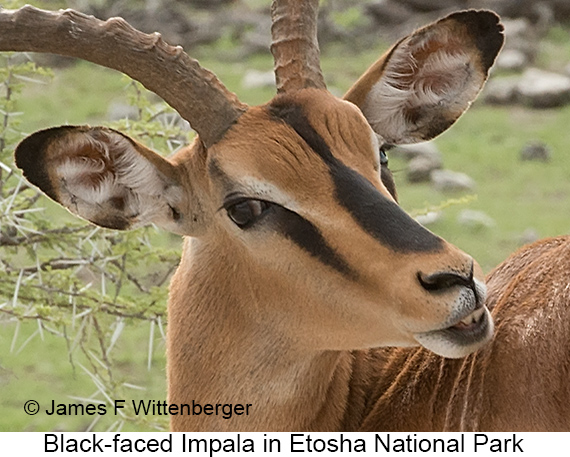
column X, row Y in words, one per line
column 224, row 347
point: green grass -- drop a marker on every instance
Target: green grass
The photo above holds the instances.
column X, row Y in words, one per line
column 484, row 144
column 80, row 94
column 42, row 371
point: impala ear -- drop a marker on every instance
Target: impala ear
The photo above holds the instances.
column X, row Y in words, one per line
column 426, row 81
column 105, row 177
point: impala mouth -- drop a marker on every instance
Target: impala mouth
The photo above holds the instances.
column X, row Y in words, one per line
column 462, row 338
column 471, row 322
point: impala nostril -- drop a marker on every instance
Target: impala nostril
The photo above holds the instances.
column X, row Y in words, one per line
column 446, row 280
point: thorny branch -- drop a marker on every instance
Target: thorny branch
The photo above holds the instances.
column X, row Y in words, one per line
column 73, row 281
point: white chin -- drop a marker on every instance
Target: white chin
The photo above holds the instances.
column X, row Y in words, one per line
column 462, row 339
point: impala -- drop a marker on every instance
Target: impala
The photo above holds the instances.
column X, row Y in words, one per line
column 299, row 270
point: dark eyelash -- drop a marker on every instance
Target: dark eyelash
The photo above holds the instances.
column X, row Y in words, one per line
column 232, row 199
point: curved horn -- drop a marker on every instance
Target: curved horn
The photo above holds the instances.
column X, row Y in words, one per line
column 294, row 45
column 166, row 70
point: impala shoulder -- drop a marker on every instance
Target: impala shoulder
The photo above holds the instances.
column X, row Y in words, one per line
column 526, row 270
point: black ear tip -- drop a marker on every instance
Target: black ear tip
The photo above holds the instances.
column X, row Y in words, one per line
column 31, row 148
column 486, row 24
column 30, row 157
column 483, row 19
column 487, row 31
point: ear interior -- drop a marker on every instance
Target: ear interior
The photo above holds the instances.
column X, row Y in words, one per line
column 426, row 81
column 102, row 176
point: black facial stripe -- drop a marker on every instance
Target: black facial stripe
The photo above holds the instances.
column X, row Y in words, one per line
column 296, row 228
column 376, row 214
column 305, row 235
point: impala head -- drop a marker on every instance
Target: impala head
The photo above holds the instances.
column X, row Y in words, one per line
column 297, row 192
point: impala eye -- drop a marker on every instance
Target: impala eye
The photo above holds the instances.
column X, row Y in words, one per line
column 383, row 156
column 245, row 213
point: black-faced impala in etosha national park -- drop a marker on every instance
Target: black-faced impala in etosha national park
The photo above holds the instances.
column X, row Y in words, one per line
column 304, row 290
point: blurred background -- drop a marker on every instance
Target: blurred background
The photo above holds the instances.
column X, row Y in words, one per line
column 82, row 314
